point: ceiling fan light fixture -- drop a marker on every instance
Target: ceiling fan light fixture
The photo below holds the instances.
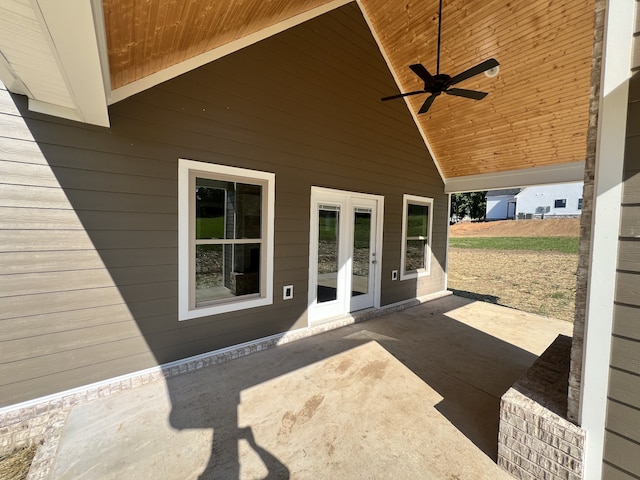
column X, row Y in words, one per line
column 492, row 72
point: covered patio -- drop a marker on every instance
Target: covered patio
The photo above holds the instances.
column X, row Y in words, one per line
column 103, row 102
column 341, row 404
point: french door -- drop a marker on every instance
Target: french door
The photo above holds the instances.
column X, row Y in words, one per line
column 345, row 263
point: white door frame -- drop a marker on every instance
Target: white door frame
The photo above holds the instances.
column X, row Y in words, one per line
column 347, row 201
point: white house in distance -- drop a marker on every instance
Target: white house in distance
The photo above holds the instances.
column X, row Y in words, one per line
column 540, row 201
column 501, row 204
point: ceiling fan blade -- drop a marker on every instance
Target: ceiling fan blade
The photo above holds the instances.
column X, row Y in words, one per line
column 422, row 72
column 402, row 95
column 473, row 71
column 461, row 92
column 427, row 103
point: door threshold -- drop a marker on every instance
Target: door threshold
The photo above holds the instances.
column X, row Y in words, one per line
column 352, row 317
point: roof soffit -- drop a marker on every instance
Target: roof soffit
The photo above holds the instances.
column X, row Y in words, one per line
column 149, row 42
column 56, row 66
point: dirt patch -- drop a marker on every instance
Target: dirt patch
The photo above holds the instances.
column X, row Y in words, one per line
column 543, row 283
column 554, row 227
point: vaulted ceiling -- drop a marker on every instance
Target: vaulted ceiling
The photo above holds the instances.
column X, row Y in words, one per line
column 535, row 117
column 147, row 37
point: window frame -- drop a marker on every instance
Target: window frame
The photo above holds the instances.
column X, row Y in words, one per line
column 580, row 203
column 421, row 272
column 562, row 205
column 188, row 170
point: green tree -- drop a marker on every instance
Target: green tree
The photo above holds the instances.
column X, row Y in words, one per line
column 469, row 204
column 478, row 205
column 459, row 207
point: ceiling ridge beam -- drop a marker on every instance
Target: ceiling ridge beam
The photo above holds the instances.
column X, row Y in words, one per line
column 414, row 115
column 173, row 71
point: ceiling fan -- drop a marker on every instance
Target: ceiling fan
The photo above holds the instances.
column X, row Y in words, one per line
column 442, row 83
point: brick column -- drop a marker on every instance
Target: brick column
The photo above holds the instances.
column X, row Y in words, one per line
column 575, row 375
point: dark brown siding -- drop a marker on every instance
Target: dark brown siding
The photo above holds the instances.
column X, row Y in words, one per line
column 88, row 249
column 622, row 447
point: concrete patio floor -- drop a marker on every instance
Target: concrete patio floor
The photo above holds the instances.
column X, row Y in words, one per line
column 413, row 394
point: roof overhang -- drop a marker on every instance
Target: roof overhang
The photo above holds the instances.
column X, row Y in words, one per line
column 75, row 59
column 52, row 54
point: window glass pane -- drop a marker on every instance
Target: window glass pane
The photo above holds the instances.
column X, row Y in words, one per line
column 415, row 255
column 417, row 216
column 210, row 207
column 209, row 273
column 226, row 271
column 245, row 276
column 248, row 205
column 328, row 224
column 227, row 210
column 361, row 240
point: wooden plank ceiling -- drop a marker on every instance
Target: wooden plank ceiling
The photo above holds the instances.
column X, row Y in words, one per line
column 537, row 110
column 146, row 36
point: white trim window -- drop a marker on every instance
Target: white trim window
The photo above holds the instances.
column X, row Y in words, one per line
column 225, row 238
column 417, row 221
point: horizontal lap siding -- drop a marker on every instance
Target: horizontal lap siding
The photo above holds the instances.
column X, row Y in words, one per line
column 88, row 248
column 622, row 437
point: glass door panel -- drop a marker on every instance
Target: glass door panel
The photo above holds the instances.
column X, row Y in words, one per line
column 361, row 252
column 328, row 253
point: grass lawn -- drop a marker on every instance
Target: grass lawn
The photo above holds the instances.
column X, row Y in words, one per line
column 210, row 227
column 533, row 274
column 533, row 244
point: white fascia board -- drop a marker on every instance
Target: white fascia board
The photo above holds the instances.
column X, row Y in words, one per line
column 605, row 225
column 562, row 173
column 414, row 114
column 103, row 49
column 74, row 42
column 9, row 78
column 173, row 71
column 54, row 110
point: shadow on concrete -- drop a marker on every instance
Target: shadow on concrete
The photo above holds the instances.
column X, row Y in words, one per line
column 476, row 296
column 468, row 368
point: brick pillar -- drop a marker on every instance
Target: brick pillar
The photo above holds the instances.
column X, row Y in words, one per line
column 575, row 375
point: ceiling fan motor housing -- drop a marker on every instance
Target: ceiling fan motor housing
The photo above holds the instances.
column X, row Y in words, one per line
column 440, row 83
